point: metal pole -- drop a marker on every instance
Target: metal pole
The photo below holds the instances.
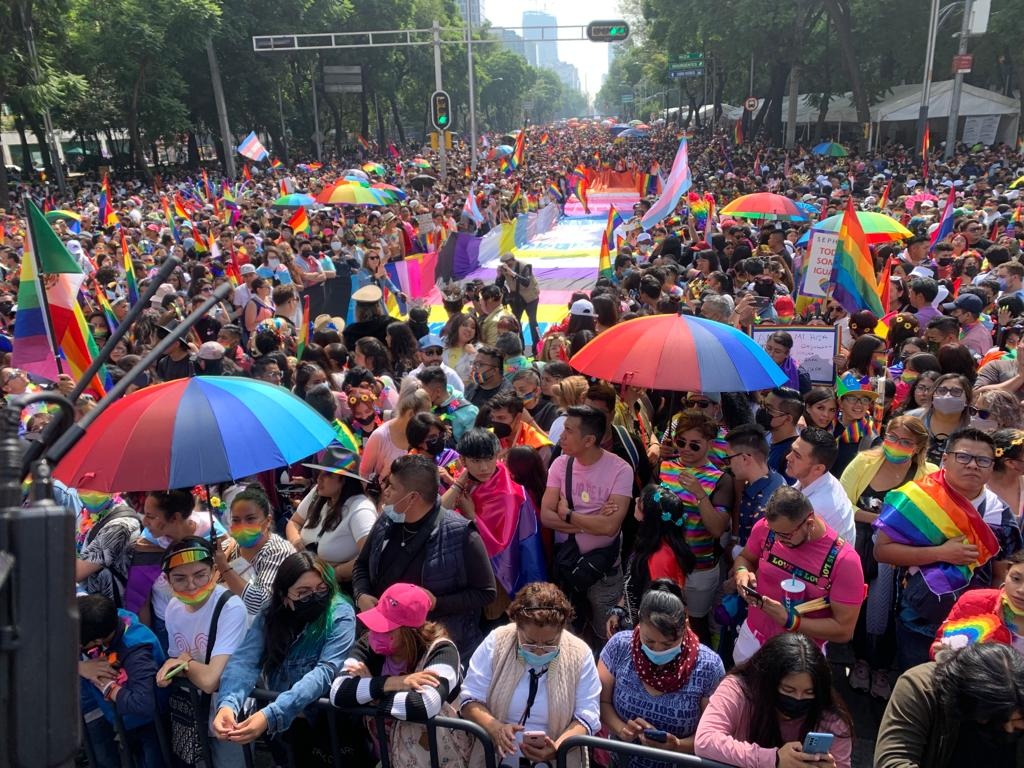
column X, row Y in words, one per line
column 926, row 82
column 794, row 95
column 284, row 132
column 222, row 110
column 958, row 84
column 316, row 119
column 472, row 91
column 37, row 75
column 439, row 86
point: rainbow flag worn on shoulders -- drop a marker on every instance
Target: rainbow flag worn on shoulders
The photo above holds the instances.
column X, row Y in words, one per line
column 927, row 513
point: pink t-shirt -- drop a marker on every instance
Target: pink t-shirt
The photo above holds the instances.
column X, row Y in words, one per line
column 844, row 582
column 591, row 488
column 378, row 453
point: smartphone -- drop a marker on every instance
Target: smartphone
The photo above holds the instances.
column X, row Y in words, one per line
column 818, row 743
column 176, row 670
column 762, row 302
column 752, row 593
column 535, row 739
column 653, row 734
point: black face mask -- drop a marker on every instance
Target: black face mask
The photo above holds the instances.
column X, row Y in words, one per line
column 501, row 430
column 793, row 708
column 971, row 271
column 310, row 607
column 764, row 419
column 994, row 733
column 435, row 445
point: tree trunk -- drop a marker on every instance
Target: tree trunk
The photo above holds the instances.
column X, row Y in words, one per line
column 5, row 193
column 134, row 131
column 839, row 11
column 26, row 154
column 397, row 118
column 364, row 118
column 819, row 127
column 192, row 144
column 380, row 119
column 1018, row 75
column 44, row 148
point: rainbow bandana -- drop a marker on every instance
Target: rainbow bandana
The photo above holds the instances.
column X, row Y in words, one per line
column 186, row 557
column 197, row 596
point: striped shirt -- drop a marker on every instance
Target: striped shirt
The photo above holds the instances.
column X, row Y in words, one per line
column 699, row 539
column 264, row 565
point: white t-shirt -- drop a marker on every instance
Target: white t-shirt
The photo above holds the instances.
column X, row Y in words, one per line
column 358, row 514
column 189, row 630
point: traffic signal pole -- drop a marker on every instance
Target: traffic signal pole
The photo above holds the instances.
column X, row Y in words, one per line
column 439, row 86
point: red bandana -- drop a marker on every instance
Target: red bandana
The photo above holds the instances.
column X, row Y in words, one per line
column 666, row 677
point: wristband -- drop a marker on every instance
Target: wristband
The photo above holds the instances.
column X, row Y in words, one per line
column 792, row 621
column 106, row 689
column 741, row 568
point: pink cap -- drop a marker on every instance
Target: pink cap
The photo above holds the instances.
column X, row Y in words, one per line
column 401, row 605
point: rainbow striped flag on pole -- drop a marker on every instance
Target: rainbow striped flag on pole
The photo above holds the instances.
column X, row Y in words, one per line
column 853, row 272
column 129, row 271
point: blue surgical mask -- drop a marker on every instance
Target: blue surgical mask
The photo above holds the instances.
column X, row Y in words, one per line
column 393, row 514
column 537, row 659
column 661, row 657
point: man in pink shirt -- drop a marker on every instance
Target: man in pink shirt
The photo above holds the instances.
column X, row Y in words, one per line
column 600, row 488
column 791, row 542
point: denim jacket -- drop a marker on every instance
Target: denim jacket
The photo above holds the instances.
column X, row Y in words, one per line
column 304, row 676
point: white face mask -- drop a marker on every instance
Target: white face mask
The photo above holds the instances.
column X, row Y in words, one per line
column 273, row 263
column 335, row 246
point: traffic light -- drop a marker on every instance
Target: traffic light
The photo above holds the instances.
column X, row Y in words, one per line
column 441, row 111
column 607, row 31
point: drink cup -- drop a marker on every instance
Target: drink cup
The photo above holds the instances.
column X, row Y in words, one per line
column 792, row 593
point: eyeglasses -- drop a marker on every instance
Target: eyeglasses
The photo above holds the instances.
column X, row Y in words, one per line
column 983, row 462
column 902, row 442
column 181, row 582
column 692, row 445
column 303, row 592
column 947, row 391
column 980, row 413
column 856, row 400
column 13, row 375
column 797, row 527
column 480, row 366
column 273, row 375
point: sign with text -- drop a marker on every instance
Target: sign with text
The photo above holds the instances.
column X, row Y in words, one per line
column 980, row 129
column 814, row 348
column 821, row 252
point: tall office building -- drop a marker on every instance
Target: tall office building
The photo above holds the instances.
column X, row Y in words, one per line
column 470, row 11
column 568, row 74
column 513, row 42
column 539, row 51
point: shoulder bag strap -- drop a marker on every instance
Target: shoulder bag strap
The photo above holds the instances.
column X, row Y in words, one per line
column 568, row 484
column 212, row 634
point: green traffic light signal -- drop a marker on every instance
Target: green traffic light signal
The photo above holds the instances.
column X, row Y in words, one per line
column 607, row 31
column 440, row 110
column 442, row 119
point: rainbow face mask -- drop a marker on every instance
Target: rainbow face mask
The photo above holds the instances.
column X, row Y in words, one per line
column 197, row 596
column 896, row 453
column 247, row 535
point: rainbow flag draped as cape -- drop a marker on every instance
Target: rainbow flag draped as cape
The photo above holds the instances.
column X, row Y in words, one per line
column 853, row 271
column 580, row 188
column 107, row 216
column 927, row 513
column 38, row 333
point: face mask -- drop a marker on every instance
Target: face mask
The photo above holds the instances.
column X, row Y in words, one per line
column 764, row 419
column 948, row 404
column 538, row 659
column 985, row 425
column 501, row 430
column 1002, row 283
column 273, row 263
column 310, row 607
column 393, row 514
column 382, row 643
column 530, row 398
column 435, row 445
column 247, row 535
column 197, row 596
column 336, row 246
column 661, row 657
column 896, row 453
column 971, row 271
column 792, row 707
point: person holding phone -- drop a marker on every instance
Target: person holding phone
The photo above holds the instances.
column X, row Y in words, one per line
column 657, row 678
column 767, row 709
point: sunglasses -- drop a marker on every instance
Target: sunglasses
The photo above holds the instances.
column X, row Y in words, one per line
column 979, row 412
column 701, row 404
column 949, row 391
column 693, row 446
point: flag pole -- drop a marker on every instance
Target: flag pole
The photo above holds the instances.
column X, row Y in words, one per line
column 44, row 303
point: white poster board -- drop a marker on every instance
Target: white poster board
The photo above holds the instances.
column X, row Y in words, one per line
column 425, row 223
column 980, row 129
column 821, row 252
column 814, row 348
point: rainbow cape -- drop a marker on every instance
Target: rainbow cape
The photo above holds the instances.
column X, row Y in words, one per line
column 927, row 513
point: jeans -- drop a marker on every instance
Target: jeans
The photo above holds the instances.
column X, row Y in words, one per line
column 142, row 741
column 912, row 648
column 518, row 307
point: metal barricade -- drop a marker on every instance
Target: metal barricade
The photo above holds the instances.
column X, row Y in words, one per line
column 630, row 750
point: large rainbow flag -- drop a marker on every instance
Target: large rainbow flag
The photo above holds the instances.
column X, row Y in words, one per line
column 927, row 513
column 853, row 271
column 38, row 333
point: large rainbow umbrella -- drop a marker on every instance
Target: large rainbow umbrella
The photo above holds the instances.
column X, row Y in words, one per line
column 390, row 190
column 344, row 193
column 830, row 148
column 679, row 353
column 375, row 168
column 198, row 431
column 878, row 227
column 419, row 162
column 763, row 205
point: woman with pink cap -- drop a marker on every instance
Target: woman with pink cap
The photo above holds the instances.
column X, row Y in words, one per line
column 410, row 670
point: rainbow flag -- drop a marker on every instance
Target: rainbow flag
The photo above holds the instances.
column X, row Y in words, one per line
column 580, row 188
column 927, row 513
column 275, row 164
column 104, row 302
column 467, row 173
column 362, row 141
column 517, row 195
column 169, row 217
column 555, row 191
column 344, row 437
column 679, row 181
column 853, row 273
column 129, row 271
column 544, row 137
column 926, row 145
column 38, row 333
column 604, row 264
column 303, row 337
column 737, row 132
column 519, row 152
column 505, row 167
column 299, row 222
column 246, row 173
column 883, row 201
column 179, row 207
column 107, row 216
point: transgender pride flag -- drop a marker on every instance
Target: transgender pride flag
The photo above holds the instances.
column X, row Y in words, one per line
column 252, row 148
column 678, row 182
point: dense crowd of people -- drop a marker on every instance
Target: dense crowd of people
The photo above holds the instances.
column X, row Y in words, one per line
column 507, row 540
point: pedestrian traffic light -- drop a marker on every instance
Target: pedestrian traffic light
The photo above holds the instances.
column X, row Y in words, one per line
column 607, row 31
column 441, row 111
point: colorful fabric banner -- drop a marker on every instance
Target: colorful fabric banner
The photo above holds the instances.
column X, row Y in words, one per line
column 252, row 148
column 679, row 181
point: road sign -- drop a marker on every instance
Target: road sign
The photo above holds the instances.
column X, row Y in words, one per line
column 607, row 31
column 441, row 110
column 692, row 56
column 962, row 63
column 685, row 73
column 528, row 105
column 627, row 98
column 343, row 79
column 750, row 103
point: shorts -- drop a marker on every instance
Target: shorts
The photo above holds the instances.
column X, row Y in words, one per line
column 701, row 587
column 604, row 595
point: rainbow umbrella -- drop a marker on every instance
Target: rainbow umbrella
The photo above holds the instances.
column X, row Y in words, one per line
column 878, row 227
column 390, row 190
column 355, row 172
column 375, row 168
column 198, row 431
column 294, row 200
column 344, row 193
column 679, row 353
column 830, row 148
column 763, row 205
column 419, row 162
